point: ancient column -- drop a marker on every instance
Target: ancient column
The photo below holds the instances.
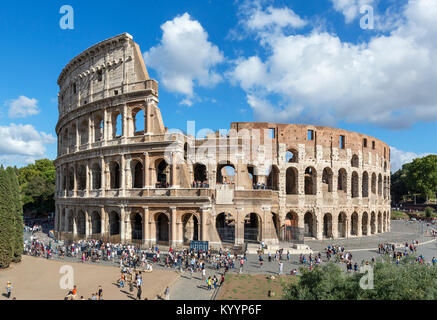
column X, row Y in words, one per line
column 146, row 238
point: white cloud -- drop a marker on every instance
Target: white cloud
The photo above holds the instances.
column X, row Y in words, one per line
column 22, row 107
column 350, row 8
column 281, row 17
column 184, row 57
column 399, row 157
column 23, row 142
column 388, row 81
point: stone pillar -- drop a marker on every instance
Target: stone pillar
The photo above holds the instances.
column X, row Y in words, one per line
column 75, row 180
column 102, row 221
column 173, row 231
column 146, row 238
column 106, row 127
column 87, row 224
column 319, row 225
column 124, row 124
column 74, row 224
column 146, row 180
column 360, row 225
column 239, row 226
column 103, row 175
column 174, row 165
column 147, row 115
column 335, row 226
column 76, row 147
column 204, row 219
column 56, row 218
column 122, row 225
column 88, row 178
column 123, row 175
column 90, row 132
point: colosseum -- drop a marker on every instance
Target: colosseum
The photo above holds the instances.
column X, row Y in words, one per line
column 124, row 177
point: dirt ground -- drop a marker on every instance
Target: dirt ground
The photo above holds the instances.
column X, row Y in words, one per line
column 253, row 287
column 39, row 279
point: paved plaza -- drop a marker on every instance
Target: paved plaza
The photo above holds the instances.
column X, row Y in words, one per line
column 191, row 287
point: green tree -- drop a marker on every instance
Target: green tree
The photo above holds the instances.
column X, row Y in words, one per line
column 17, row 210
column 7, row 221
column 421, row 176
column 37, row 183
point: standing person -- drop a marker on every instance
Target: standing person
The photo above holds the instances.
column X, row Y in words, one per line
column 167, row 293
column 203, row 274
column 100, row 293
column 281, row 267
column 139, row 291
column 8, row 289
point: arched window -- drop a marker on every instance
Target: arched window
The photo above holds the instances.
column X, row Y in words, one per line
column 291, row 156
column 342, row 180
column 137, row 176
column 273, row 178
column 200, row 173
column 373, row 183
column 291, row 181
column 354, row 161
column 114, row 169
column 327, row 180
column 310, row 181
column 354, row 184
column 83, row 133
column 97, row 176
column 226, row 173
column 365, row 185
column 138, row 117
column 98, row 128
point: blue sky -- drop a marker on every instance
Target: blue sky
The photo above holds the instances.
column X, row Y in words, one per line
column 296, row 61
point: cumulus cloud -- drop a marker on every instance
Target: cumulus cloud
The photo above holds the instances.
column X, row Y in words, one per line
column 399, row 158
column 350, row 8
column 281, row 17
column 23, row 142
column 22, row 107
column 184, row 57
column 388, row 81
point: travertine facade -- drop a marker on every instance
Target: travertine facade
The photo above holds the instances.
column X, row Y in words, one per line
column 121, row 176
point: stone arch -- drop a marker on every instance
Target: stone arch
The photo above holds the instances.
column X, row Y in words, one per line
column 292, row 180
column 327, row 225
column 354, row 184
column 80, row 223
column 364, row 224
column 355, row 161
column 114, row 175
column 327, row 180
column 252, row 228
column 342, row 225
column 117, row 125
column 70, row 217
column 162, row 172
column 290, row 228
column 372, row 223
column 137, row 170
column 379, row 222
column 96, row 223
column 138, row 121
column 98, row 128
column 96, row 174
column 162, row 227
column 365, row 185
column 83, row 132
column 291, row 156
column 81, row 178
column 225, row 173
column 65, row 142
column 273, row 178
column 72, row 137
column 310, row 181
column 354, row 224
column 136, row 221
column 380, row 185
column 190, row 228
column 225, row 226
column 251, row 172
column 200, row 172
column 70, row 179
column 342, row 180
column 373, row 183
column 114, row 223
column 310, row 224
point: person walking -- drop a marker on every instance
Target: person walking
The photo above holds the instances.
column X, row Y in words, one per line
column 281, row 267
column 8, row 289
column 167, row 293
